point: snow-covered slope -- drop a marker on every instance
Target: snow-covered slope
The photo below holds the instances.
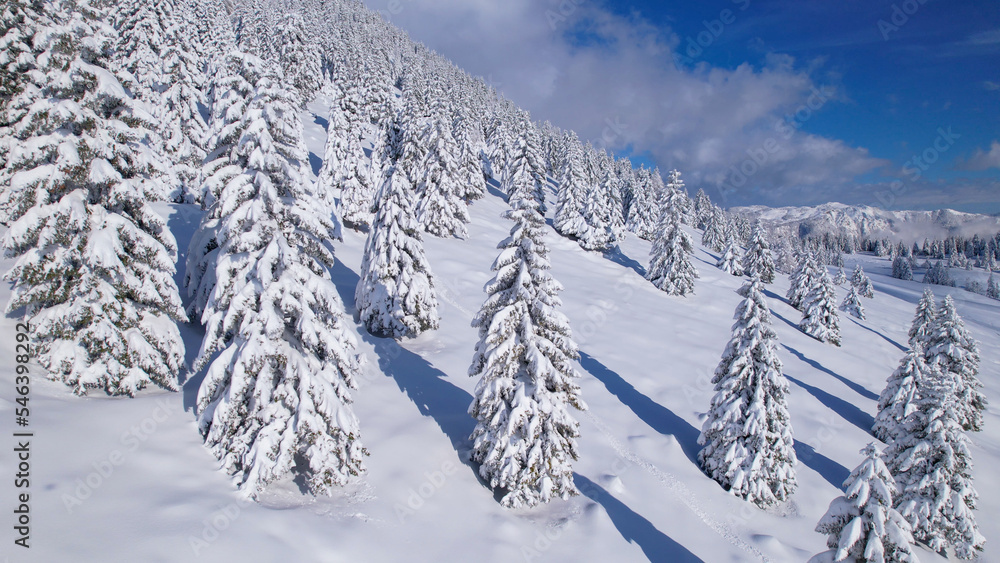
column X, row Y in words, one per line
column 129, row 479
column 860, row 221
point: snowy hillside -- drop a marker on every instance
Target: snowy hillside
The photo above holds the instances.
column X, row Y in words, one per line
column 860, row 222
column 130, row 480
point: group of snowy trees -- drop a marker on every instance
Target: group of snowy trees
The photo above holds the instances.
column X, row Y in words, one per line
column 920, row 487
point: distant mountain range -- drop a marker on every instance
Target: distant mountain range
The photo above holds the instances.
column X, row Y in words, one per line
column 864, row 221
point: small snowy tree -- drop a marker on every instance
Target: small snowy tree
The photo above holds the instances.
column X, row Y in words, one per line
column 714, row 236
column 919, row 332
column 852, row 304
column 939, row 274
column 819, row 311
column 952, row 349
column 901, row 269
column 525, row 437
column 643, row 211
column 395, row 295
column 571, row 196
column 992, row 287
column 931, row 462
column 670, row 267
column 862, row 525
column 731, row 260
column 862, row 283
column 900, row 394
column 441, row 207
column 841, row 277
column 758, row 259
column 747, row 435
column 802, row 280
column 598, row 233
column 344, row 167
column 94, row 264
column 278, row 389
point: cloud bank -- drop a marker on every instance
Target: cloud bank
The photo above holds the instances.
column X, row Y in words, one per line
column 626, row 84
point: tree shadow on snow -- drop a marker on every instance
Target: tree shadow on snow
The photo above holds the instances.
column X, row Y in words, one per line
column 315, row 162
column 846, row 410
column 854, row 386
column 322, row 122
column 424, row 384
column 183, row 222
column 833, row 472
column 616, row 255
column 880, row 335
column 659, row 418
column 656, row 545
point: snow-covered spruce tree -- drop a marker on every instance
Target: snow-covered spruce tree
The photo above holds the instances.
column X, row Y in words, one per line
column 182, row 127
column 731, row 260
column 675, row 198
column 525, row 176
column 900, row 393
column 714, row 236
column 758, row 259
column 901, row 269
column 920, row 329
column 861, row 281
column 94, row 264
column 395, row 295
column 819, row 311
column 573, row 189
column 141, row 28
column 468, row 136
column 703, row 210
column 670, row 268
column 992, row 287
column 939, row 274
column 344, row 167
column 803, row 279
column 231, row 88
column 952, row 349
column 841, row 277
column 852, row 304
column 747, row 435
column 642, row 216
column 598, row 232
column 931, row 462
column 280, row 354
column 525, row 436
column 441, row 208
column 299, row 55
column 862, row 525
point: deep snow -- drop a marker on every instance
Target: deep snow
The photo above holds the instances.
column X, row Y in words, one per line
column 646, row 360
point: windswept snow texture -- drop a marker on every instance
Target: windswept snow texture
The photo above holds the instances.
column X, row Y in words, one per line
column 129, row 480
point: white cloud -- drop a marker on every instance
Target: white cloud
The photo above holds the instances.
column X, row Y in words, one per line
column 983, row 160
column 613, row 80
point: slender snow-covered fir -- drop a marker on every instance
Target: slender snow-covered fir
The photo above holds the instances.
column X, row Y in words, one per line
column 952, row 349
column 931, row 462
column 900, row 393
column 802, row 280
column 525, row 435
column 280, row 358
column 395, row 296
column 94, row 264
column 819, row 311
column 731, row 260
column 747, row 435
column 860, row 281
column 852, row 304
column 441, row 208
column 758, row 259
column 862, row 526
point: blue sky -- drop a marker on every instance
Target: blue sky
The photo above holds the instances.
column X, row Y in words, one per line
column 887, row 103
